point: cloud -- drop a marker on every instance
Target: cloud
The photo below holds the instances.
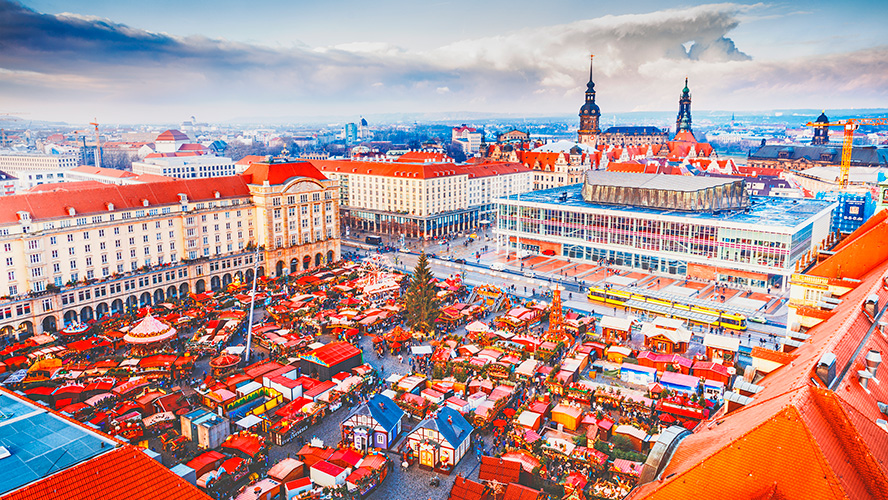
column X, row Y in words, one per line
column 85, row 65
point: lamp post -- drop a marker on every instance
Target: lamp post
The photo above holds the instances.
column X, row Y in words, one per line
column 252, row 304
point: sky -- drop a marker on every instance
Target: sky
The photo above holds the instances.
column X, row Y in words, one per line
column 162, row 61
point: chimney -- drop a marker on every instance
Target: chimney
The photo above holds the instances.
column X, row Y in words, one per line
column 826, row 368
column 873, row 359
column 864, row 377
column 871, row 306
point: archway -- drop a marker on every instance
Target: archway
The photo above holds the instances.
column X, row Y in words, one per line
column 279, row 268
column 183, row 290
column 69, row 318
column 101, row 310
column 226, row 280
column 145, row 299
column 25, row 330
column 200, row 286
column 306, row 262
column 294, row 265
column 249, row 277
column 172, row 293
column 8, row 331
column 319, row 259
column 239, row 276
column 215, row 283
column 86, row 314
column 116, row 306
column 158, row 296
column 330, row 256
column 49, row 324
column 261, row 271
column 131, row 303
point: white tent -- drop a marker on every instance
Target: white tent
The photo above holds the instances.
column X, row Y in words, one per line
column 248, row 421
column 476, row 327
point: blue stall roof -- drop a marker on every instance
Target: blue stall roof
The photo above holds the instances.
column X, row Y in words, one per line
column 763, row 210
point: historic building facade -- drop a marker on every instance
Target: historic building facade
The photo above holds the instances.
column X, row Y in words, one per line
column 84, row 251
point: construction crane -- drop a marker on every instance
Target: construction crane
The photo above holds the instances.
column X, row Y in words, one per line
column 849, row 125
column 95, row 123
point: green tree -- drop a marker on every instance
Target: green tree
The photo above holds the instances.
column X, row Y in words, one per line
column 423, row 307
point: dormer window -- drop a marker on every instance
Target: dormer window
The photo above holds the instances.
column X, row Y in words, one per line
column 110, row 206
column 145, row 203
column 216, row 194
column 71, row 211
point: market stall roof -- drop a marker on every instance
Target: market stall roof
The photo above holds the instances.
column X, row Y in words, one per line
column 148, row 331
column 421, row 350
column 248, row 421
column 332, row 354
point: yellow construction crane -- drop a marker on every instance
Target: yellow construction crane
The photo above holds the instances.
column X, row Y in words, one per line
column 849, row 125
column 95, row 123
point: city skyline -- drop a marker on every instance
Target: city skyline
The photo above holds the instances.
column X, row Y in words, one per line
column 221, row 61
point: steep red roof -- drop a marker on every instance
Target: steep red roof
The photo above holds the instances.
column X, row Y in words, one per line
column 504, row 471
column 94, row 199
column 826, row 440
column 518, row 492
column 466, row 489
column 280, row 173
column 125, row 473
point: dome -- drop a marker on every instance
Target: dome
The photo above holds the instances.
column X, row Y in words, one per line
column 172, row 136
column 149, row 330
column 822, row 118
column 590, row 108
column 225, row 361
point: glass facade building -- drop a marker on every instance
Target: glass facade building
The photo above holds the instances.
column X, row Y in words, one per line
column 755, row 247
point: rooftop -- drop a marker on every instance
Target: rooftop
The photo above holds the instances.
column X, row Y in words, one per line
column 763, row 211
column 41, row 443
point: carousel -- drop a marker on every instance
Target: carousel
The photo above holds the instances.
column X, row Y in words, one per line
column 75, row 329
column 224, row 364
column 149, row 335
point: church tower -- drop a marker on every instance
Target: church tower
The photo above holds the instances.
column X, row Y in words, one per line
column 683, row 121
column 821, row 134
column 589, row 114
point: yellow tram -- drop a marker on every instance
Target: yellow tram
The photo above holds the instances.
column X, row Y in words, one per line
column 696, row 313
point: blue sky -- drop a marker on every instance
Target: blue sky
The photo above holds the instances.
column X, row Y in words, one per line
column 164, row 60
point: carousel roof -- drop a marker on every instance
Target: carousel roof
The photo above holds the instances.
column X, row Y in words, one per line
column 149, row 330
column 225, row 360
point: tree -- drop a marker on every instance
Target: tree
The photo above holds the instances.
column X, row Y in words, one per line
column 423, row 307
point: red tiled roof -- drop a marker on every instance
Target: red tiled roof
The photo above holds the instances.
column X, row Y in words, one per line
column 418, row 170
column 825, row 440
column 125, row 473
column 850, row 261
column 504, row 471
column 64, row 186
column 420, row 156
column 772, row 355
column 107, row 172
column 518, row 492
column 250, row 159
column 280, row 173
column 94, row 198
column 466, row 489
column 334, row 353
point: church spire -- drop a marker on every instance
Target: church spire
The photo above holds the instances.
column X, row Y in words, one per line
column 683, row 121
column 589, row 112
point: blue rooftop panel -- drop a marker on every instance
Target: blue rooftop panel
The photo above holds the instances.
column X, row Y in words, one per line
column 41, row 443
column 764, row 210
